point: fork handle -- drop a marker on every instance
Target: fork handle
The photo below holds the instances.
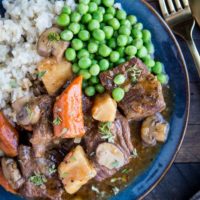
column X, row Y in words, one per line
column 195, row 53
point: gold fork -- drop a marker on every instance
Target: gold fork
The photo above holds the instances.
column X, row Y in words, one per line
column 179, row 17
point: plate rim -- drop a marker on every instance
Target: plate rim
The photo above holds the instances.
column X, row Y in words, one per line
column 187, row 83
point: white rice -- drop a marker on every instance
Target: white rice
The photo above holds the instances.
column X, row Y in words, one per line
column 23, row 22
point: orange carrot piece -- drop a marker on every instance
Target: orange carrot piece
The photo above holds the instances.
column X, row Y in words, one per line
column 4, row 183
column 68, row 115
column 9, row 137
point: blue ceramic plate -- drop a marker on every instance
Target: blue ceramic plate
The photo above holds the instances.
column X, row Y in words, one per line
column 168, row 51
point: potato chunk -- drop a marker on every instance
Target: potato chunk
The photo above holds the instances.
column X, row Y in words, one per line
column 55, row 74
column 104, row 108
column 76, row 170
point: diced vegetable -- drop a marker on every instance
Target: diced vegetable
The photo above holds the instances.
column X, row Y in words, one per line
column 55, row 74
column 68, row 109
column 76, row 170
column 4, row 183
column 8, row 137
column 104, row 108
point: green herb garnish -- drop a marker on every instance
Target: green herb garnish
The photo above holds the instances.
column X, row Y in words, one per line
column 41, row 74
column 38, row 179
column 57, row 121
column 115, row 164
column 126, row 171
column 52, row 169
column 135, row 73
column 29, row 112
column 134, row 153
column 105, row 130
column 73, row 158
column 95, row 189
column 115, row 190
column 64, row 175
column 53, row 36
column 113, row 180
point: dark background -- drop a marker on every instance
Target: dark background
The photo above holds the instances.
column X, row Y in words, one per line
column 183, row 179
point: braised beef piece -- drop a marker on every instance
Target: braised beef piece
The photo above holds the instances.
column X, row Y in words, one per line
column 87, row 105
column 143, row 95
column 107, row 77
column 120, row 138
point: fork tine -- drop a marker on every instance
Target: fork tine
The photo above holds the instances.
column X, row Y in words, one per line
column 163, row 8
column 171, row 6
column 185, row 3
column 178, row 4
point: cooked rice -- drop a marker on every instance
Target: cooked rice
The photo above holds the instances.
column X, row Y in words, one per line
column 23, row 22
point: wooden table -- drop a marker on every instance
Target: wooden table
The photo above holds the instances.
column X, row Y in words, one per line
column 183, row 179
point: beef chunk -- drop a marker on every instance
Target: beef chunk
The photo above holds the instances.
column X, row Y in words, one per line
column 107, row 77
column 144, row 99
column 143, row 96
column 118, row 140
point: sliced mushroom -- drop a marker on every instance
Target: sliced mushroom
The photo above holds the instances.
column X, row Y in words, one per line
column 12, row 173
column 50, row 44
column 110, row 156
column 154, row 128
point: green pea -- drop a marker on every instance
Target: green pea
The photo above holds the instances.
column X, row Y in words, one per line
column 137, row 34
column 101, row 10
column 93, row 24
column 66, row 35
column 104, row 50
column 98, row 34
column 121, row 51
column 84, row 35
column 98, row 2
column 75, row 17
column 82, row 8
column 114, row 56
column 84, row 1
column 86, row 18
column 99, row 88
column 94, row 70
column 74, row 27
column 94, row 80
column 92, row 7
column 112, row 43
column 84, row 63
column 131, row 50
column 70, row 54
column 124, row 30
column 77, row 44
column 90, row 91
column 150, row 47
column 104, row 64
column 94, row 62
column 75, row 68
column 163, row 78
column 98, row 16
column 63, row 19
column 125, row 22
column 142, row 52
column 108, row 3
column 108, row 30
column 66, row 10
column 138, row 26
column 114, row 23
column 130, row 40
column 86, row 75
column 121, row 14
column 146, row 35
column 107, row 17
column 118, row 94
column 149, row 62
column 120, row 61
column 157, row 68
column 132, row 19
column 138, row 43
column 122, row 40
column 119, row 79
column 92, row 47
column 111, row 10
column 83, row 53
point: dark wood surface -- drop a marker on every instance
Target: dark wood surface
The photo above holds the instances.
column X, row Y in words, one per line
column 183, row 179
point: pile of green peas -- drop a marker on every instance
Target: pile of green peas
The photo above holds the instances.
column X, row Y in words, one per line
column 102, row 37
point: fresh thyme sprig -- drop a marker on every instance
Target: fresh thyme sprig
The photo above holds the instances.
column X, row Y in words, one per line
column 105, row 130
